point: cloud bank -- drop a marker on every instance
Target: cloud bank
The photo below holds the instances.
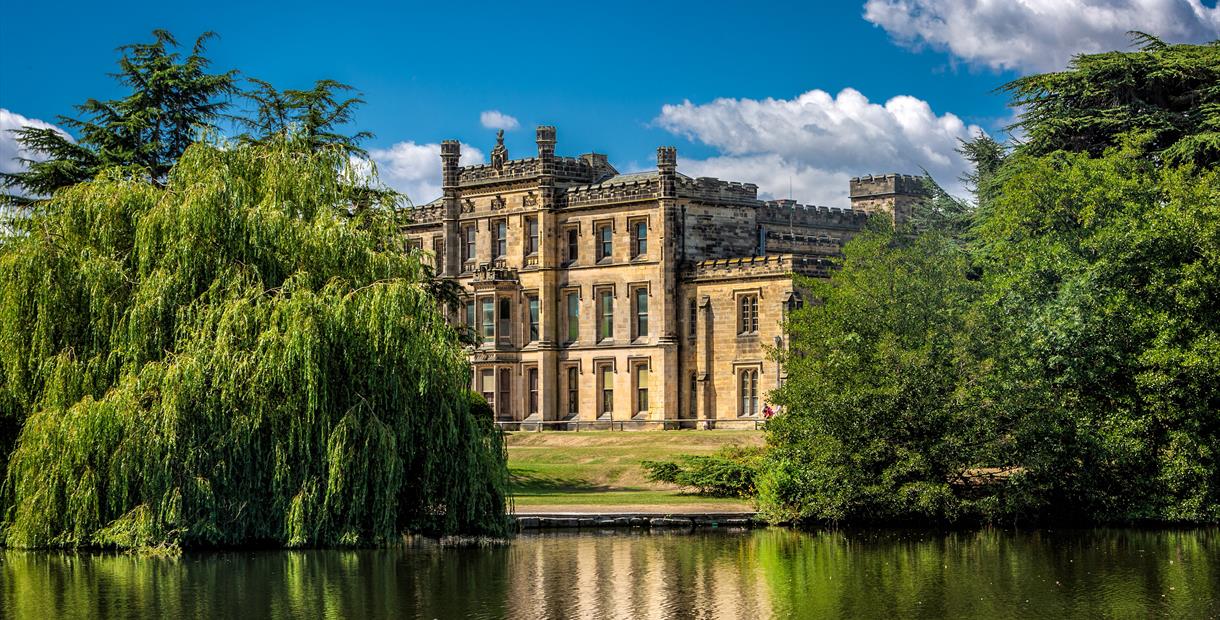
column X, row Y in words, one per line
column 815, row 142
column 495, row 119
column 1038, row 35
column 415, row 169
column 10, row 150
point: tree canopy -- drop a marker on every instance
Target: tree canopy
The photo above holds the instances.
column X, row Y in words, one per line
column 311, row 115
column 233, row 356
column 1171, row 92
column 1051, row 353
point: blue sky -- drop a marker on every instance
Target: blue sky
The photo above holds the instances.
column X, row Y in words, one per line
column 741, row 80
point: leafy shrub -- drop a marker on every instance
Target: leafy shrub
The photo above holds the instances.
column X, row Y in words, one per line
column 728, row 473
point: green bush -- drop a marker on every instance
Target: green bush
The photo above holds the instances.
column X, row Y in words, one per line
column 728, row 473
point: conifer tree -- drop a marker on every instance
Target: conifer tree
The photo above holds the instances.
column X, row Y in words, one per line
column 171, row 99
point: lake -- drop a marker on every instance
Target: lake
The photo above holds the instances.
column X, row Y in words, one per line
column 751, row 574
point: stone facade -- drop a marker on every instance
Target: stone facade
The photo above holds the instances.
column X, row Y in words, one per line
column 651, row 297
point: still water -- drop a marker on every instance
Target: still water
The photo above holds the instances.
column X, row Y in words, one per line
column 755, row 574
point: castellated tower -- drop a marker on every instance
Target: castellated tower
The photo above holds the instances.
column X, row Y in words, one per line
column 667, row 167
column 895, row 194
column 545, row 137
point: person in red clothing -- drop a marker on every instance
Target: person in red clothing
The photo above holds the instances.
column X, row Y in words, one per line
column 768, row 412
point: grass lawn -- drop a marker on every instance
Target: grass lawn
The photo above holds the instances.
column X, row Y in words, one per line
column 592, row 471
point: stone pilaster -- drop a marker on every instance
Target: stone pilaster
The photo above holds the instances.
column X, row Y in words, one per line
column 667, row 168
column 549, row 262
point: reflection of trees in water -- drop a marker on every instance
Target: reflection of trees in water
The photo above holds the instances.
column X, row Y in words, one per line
column 707, row 574
column 991, row 573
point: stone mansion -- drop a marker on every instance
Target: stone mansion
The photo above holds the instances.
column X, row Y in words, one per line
column 651, row 297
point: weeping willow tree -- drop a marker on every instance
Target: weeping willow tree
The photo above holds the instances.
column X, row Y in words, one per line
column 233, row 358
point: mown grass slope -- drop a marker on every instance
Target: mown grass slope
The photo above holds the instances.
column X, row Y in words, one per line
column 599, row 471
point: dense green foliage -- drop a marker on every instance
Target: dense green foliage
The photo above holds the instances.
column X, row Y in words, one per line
column 1102, row 283
column 728, row 473
column 234, row 357
column 1171, row 92
column 872, row 411
column 1052, row 354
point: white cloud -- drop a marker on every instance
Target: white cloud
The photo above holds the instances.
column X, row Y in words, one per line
column 817, row 141
column 495, row 119
column 415, row 169
column 1038, row 35
column 10, row 149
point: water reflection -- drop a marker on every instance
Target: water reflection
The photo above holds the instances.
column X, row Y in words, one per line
column 756, row 574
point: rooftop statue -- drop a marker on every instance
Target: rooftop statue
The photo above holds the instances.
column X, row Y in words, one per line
column 499, row 155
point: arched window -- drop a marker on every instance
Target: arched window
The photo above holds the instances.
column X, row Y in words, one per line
column 748, row 390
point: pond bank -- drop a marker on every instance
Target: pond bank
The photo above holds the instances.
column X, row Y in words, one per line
column 682, row 519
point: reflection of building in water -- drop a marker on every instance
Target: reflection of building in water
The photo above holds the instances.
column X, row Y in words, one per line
column 676, row 575
column 650, row 296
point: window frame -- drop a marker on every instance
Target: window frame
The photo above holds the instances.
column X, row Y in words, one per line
column 470, row 247
column 571, row 321
column 533, row 316
column 438, row 252
column 531, row 390
column 487, row 318
column 600, row 231
column 499, row 243
column 504, row 319
column 693, row 405
column 640, row 395
column 604, row 371
column 638, row 330
column 747, row 391
column 572, row 244
column 692, row 319
column 573, row 389
column 634, row 227
column 747, row 313
column 531, row 234
column 488, row 391
column 504, row 393
column 605, row 313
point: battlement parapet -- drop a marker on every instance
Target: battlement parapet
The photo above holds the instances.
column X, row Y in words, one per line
column 789, row 213
column 430, row 213
column 885, row 185
column 755, row 266
column 714, row 190
column 511, row 170
column 633, row 189
column 565, row 169
column 787, row 242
